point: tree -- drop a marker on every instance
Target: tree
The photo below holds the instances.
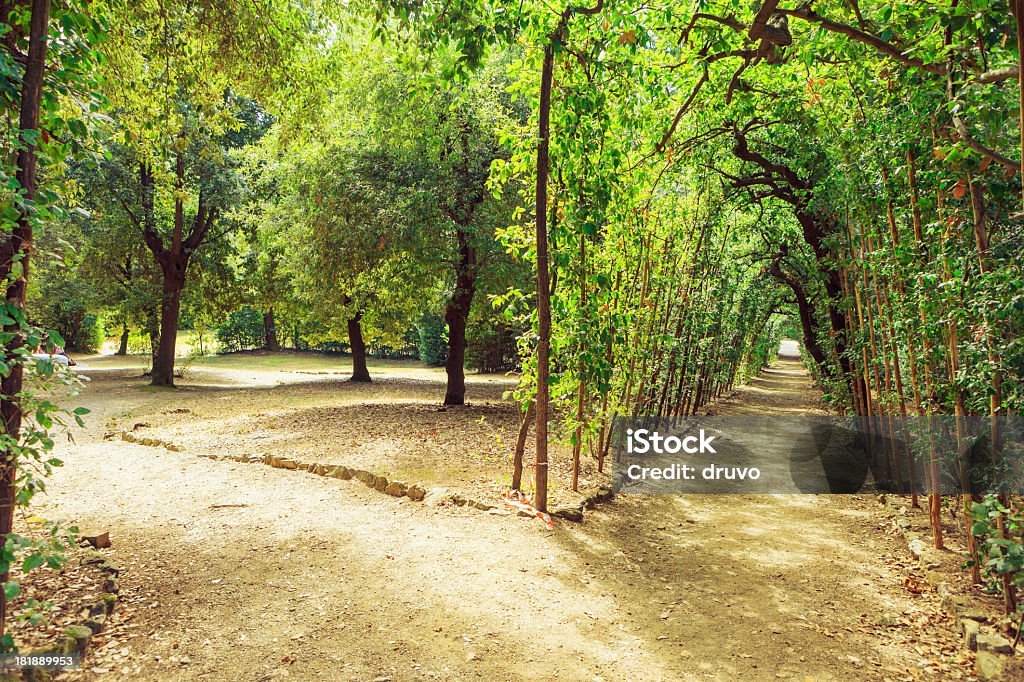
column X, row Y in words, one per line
column 354, row 231
column 465, row 120
column 170, row 77
column 35, row 70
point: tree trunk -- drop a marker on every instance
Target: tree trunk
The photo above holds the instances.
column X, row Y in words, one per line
column 19, row 244
column 454, row 367
column 456, row 316
column 540, row 500
column 270, row 341
column 173, row 261
column 808, row 323
column 355, row 341
column 517, row 460
column 122, row 346
column 1017, row 7
column 154, row 343
column 581, row 388
column 163, row 362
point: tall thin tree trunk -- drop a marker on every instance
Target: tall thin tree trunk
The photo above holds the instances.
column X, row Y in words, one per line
column 924, row 408
column 524, row 431
column 981, row 237
column 19, row 245
column 543, row 275
column 581, row 389
column 360, row 373
column 543, row 283
column 122, row 346
column 1018, row 15
column 456, row 315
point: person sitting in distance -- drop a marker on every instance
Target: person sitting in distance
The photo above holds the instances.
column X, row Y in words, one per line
column 58, row 355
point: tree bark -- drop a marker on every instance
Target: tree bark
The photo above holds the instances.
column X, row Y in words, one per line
column 540, row 500
column 1018, row 15
column 173, row 261
column 355, row 341
column 270, row 341
column 19, row 244
column 170, row 309
column 808, row 323
column 517, row 460
column 456, row 315
column 122, row 346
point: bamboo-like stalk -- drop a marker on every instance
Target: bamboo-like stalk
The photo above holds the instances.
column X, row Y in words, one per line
column 981, row 238
column 935, row 494
column 578, row 446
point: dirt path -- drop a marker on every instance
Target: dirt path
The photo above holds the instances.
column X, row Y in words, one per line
column 242, row 572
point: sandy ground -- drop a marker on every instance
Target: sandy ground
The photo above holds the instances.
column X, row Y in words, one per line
column 243, row 572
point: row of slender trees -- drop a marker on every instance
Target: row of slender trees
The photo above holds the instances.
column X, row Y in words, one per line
column 869, row 155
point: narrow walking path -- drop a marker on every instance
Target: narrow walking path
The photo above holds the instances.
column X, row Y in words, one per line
column 241, row 572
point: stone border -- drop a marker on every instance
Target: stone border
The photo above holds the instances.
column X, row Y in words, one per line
column 414, row 491
column 992, row 650
column 77, row 637
column 149, row 442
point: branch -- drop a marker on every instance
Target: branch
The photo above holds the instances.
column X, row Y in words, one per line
column 856, row 11
column 204, row 219
column 731, row 22
column 760, row 22
column 734, row 82
column 153, row 241
column 863, row 37
column 965, row 137
column 998, row 75
column 131, row 215
column 743, row 152
column 682, row 110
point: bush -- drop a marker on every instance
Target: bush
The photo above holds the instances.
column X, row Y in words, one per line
column 491, row 346
column 433, row 339
column 243, row 330
column 408, row 347
column 90, row 334
column 64, row 307
column 139, row 343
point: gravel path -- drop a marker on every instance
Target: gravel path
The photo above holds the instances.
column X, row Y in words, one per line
column 243, row 572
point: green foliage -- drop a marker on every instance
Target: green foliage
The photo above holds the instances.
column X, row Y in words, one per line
column 68, row 108
column 243, row 330
column 81, row 329
column 30, row 449
column 432, row 339
column 1000, row 531
column 491, row 345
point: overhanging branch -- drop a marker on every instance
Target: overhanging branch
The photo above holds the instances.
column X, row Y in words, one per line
column 864, row 37
column 965, row 137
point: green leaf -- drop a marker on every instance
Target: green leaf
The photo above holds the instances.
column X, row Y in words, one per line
column 32, row 562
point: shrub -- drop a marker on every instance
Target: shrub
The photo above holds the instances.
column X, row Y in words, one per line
column 90, row 334
column 242, row 330
column 65, row 308
column 491, row 346
column 433, row 339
